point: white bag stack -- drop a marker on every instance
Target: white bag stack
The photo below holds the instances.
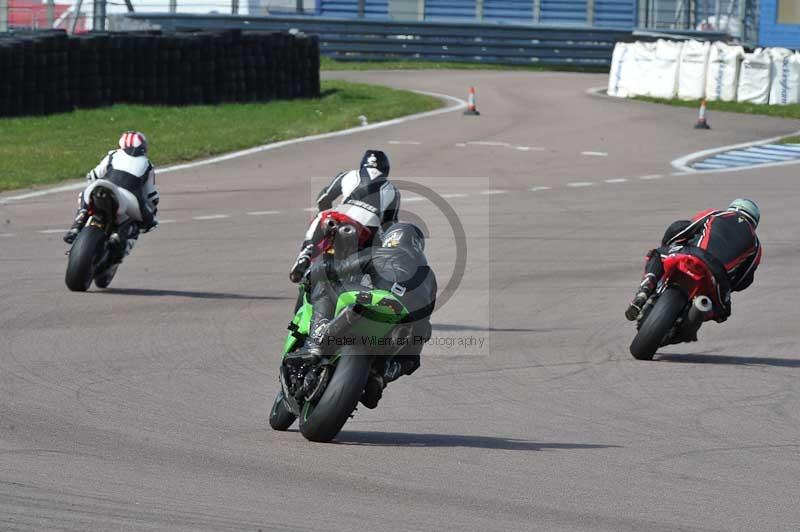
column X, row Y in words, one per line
column 692, row 72
column 641, row 81
column 754, row 78
column 722, row 79
column 785, row 87
column 664, row 70
column 622, row 70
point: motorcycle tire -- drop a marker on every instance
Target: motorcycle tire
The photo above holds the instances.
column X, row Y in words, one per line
column 280, row 418
column 83, row 257
column 323, row 421
column 104, row 279
column 658, row 323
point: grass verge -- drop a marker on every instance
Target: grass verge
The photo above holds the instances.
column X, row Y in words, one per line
column 44, row 150
column 328, row 63
column 779, row 111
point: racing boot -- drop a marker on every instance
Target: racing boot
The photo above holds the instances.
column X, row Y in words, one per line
column 301, row 264
column 642, row 295
column 77, row 225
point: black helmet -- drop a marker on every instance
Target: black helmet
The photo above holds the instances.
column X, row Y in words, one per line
column 376, row 159
column 673, row 230
column 403, row 235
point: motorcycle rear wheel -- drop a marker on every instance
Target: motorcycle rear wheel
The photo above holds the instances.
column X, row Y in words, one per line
column 323, row 421
column 658, row 323
column 83, row 258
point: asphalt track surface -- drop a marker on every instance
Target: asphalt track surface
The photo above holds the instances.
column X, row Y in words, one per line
column 144, row 407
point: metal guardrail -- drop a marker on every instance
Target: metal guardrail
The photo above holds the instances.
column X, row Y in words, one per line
column 384, row 40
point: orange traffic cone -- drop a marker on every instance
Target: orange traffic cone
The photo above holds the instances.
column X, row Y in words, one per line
column 702, row 122
column 471, row 108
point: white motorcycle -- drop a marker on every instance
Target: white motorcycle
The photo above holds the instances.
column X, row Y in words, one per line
column 91, row 257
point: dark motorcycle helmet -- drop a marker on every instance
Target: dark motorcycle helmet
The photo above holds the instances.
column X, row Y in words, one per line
column 376, row 159
column 673, row 230
column 403, row 235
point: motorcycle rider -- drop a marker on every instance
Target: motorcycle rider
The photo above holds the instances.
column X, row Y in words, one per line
column 396, row 264
column 367, row 188
column 127, row 167
column 724, row 239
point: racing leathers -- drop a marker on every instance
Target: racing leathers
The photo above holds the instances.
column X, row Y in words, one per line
column 397, row 265
column 135, row 174
column 724, row 239
column 366, row 188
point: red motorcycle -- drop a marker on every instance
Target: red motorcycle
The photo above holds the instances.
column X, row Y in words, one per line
column 687, row 295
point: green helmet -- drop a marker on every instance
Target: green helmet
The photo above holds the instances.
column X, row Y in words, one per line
column 748, row 208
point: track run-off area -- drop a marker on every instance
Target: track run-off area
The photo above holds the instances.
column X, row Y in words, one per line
column 144, row 407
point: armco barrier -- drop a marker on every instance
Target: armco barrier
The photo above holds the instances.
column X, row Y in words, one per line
column 348, row 39
column 48, row 72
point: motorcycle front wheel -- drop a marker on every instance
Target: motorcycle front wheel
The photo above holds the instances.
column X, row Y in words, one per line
column 280, row 417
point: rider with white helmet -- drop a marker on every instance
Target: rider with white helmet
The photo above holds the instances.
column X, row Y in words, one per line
column 127, row 167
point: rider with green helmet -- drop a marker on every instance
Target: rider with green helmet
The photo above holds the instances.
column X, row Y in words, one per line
column 725, row 239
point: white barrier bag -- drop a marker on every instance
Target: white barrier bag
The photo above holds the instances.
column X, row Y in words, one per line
column 692, row 72
column 722, row 78
column 622, row 70
column 664, row 69
column 754, row 77
column 785, row 87
column 642, row 77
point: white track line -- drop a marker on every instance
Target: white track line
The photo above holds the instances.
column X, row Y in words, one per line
column 537, row 189
column 595, row 153
column 413, row 199
column 262, row 213
column 488, row 143
column 404, row 142
column 51, row 231
column 211, row 217
column 162, row 222
column 449, row 196
column 617, row 180
column 6, row 235
column 651, row 177
column 311, row 209
column 492, row 192
column 457, row 105
column 580, row 184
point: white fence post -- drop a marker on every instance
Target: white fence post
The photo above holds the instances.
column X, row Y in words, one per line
column 537, row 11
column 590, row 12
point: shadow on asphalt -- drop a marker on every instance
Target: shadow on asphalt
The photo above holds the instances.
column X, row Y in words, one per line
column 181, row 293
column 731, row 360
column 405, row 439
column 452, row 327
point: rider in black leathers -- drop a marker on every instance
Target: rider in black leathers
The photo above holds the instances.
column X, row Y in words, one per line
column 398, row 265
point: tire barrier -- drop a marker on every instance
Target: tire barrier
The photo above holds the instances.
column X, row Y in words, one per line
column 48, row 72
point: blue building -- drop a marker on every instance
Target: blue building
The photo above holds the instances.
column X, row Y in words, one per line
column 779, row 23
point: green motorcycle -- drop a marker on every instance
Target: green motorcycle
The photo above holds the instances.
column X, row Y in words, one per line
column 322, row 392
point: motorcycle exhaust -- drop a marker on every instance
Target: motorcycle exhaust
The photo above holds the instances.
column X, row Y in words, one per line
column 703, row 304
column 700, row 307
